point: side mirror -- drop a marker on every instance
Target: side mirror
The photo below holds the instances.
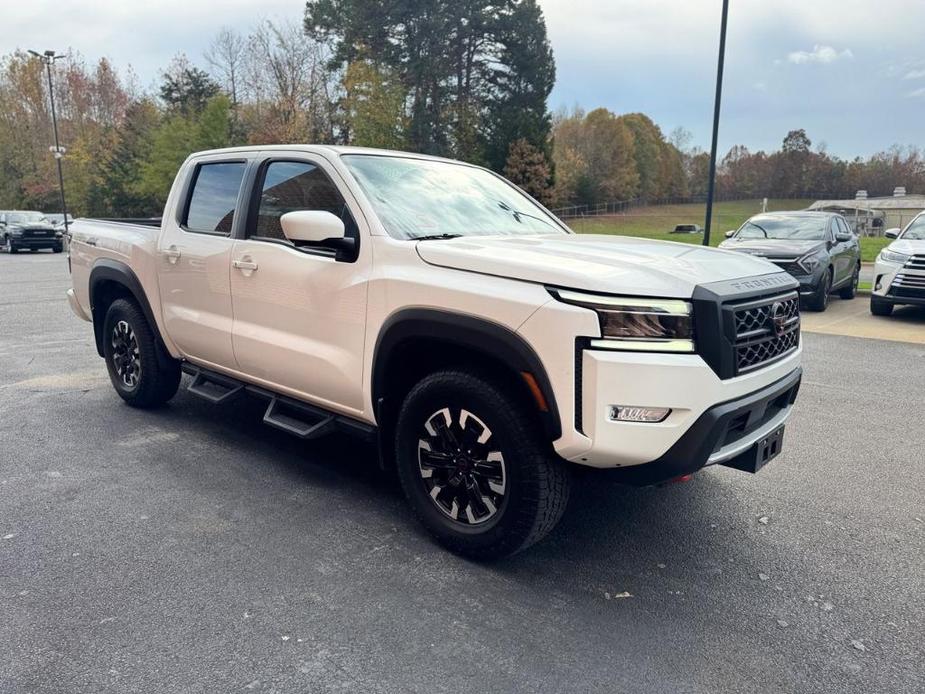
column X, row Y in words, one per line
column 891, row 233
column 843, row 237
column 319, row 228
column 730, row 233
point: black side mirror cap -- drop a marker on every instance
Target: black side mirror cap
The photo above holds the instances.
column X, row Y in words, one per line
column 345, row 248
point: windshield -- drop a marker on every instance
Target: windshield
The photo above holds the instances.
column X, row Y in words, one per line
column 915, row 231
column 795, row 228
column 25, row 217
column 417, row 198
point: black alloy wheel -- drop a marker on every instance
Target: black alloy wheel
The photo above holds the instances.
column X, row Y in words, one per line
column 126, row 357
column 462, row 468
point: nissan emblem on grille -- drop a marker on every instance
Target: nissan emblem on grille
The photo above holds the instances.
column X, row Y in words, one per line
column 778, row 318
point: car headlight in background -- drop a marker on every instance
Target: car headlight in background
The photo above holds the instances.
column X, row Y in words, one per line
column 810, row 261
column 637, row 324
column 15, row 232
column 893, row 257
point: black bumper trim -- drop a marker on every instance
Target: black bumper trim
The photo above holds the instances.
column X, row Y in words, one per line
column 898, row 300
column 692, row 451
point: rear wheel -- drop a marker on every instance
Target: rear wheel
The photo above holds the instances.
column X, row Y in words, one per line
column 851, row 290
column 475, row 468
column 879, row 307
column 819, row 300
column 141, row 374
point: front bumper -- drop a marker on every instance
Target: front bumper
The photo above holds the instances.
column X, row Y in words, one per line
column 687, row 438
column 809, row 283
column 723, row 435
column 51, row 242
column 885, row 285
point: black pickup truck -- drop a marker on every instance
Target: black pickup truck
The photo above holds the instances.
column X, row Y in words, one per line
column 22, row 230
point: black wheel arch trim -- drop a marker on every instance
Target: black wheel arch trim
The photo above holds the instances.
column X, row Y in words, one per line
column 109, row 270
column 488, row 338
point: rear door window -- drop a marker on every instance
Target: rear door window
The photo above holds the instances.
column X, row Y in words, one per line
column 214, row 197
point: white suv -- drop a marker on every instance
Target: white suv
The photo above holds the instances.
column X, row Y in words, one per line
column 436, row 308
column 899, row 272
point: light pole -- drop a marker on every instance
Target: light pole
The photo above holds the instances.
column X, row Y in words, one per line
column 48, row 58
column 711, row 184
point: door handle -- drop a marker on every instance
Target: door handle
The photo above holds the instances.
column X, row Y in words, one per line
column 172, row 254
column 90, row 240
column 245, row 264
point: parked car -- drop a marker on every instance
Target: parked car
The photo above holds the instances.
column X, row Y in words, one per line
column 427, row 304
column 26, row 230
column 899, row 271
column 817, row 248
column 687, row 229
column 57, row 218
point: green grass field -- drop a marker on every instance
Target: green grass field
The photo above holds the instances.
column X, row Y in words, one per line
column 657, row 221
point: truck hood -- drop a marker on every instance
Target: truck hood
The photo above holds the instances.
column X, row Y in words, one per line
column 773, row 248
column 595, row 262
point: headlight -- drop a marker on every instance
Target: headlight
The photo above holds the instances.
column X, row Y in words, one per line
column 810, row 261
column 638, row 324
column 893, row 257
column 15, row 232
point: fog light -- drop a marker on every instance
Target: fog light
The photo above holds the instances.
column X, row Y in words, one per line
column 628, row 413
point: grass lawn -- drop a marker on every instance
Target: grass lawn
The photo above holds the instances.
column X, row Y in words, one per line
column 657, row 221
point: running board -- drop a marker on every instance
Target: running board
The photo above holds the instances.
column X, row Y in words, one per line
column 213, row 387
column 295, row 417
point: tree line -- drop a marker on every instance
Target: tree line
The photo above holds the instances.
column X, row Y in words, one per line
column 468, row 79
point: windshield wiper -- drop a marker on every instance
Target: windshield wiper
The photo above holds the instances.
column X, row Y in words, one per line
column 517, row 214
column 435, row 237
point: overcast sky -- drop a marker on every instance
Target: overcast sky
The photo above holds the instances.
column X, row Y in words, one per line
column 851, row 72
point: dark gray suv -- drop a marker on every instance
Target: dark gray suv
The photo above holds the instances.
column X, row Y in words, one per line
column 817, row 248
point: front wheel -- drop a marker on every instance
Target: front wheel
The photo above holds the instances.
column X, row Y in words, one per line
column 851, row 290
column 140, row 373
column 879, row 307
column 8, row 245
column 475, row 468
column 819, row 300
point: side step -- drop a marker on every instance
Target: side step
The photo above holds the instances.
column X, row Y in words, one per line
column 287, row 414
column 298, row 419
column 213, row 387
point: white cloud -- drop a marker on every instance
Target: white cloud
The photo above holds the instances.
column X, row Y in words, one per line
column 914, row 74
column 819, row 54
column 916, row 93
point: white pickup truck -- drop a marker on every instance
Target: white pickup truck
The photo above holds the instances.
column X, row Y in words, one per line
column 434, row 307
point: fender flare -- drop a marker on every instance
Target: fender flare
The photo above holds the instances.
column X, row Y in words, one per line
column 108, row 270
column 488, row 338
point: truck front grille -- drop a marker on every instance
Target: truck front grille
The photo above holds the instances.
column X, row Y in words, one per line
column 766, row 329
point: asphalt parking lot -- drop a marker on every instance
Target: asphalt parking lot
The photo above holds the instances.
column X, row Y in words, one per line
column 192, row 549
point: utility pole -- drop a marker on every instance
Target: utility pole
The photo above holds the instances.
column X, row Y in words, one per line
column 711, row 184
column 48, row 58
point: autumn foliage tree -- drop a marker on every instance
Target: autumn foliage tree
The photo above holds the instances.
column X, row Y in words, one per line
column 527, row 167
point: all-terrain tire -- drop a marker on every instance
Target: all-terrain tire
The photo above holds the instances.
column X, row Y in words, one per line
column 513, row 455
column 141, row 372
